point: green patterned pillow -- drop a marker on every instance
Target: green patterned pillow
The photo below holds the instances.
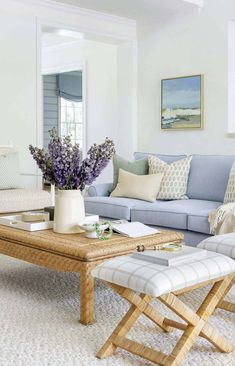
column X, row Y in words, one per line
column 138, row 167
column 175, row 179
column 9, row 169
column 230, row 191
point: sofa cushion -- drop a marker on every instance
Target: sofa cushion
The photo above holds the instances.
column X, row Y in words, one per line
column 160, row 213
column 112, row 207
column 16, row 200
column 183, row 214
column 208, row 177
column 198, row 215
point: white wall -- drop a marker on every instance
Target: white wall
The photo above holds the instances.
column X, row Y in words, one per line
column 19, row 63
column 194, row 44
column 127, row 98
column 18, row 89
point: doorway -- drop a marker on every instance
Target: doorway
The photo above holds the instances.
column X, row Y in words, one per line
column 63, row 106
column 63, row 103
column 108, row 80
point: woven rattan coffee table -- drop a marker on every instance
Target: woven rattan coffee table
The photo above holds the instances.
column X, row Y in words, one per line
column 74, row 253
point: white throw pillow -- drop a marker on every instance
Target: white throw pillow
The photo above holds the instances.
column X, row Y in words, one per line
column 175, row 179
column 142, row 187
column 230, row 190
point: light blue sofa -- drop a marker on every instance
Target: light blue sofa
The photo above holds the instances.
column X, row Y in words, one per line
column 207, row 184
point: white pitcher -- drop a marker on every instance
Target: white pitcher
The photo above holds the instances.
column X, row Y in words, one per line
column 69, row 211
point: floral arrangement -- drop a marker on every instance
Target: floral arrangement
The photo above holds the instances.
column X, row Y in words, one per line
column 63, row 166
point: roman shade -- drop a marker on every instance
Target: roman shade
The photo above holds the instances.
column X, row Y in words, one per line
column 69, row 86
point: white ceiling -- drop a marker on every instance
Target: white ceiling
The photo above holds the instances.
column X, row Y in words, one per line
column 140, row 10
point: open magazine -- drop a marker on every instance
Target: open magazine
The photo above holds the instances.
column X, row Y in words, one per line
column 133, row 229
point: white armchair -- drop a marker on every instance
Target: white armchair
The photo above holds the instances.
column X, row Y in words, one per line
column 13, row 198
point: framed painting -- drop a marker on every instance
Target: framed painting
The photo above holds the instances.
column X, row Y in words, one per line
column 182, row 103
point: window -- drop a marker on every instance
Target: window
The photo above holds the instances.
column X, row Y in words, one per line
column 71, row 120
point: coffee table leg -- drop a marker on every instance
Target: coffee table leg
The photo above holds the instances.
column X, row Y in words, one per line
column 86, row 296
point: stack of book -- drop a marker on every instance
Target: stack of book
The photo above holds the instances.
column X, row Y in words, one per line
column 171, row 258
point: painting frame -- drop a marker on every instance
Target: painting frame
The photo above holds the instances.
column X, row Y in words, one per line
column 200, row 125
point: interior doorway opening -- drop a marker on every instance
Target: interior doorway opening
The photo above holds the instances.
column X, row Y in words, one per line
column 63, row 106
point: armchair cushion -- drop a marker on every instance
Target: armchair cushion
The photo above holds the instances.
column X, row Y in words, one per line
column 17, row 200
column 9, row 169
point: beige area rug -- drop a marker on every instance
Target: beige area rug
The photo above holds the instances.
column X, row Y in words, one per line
column 39, row 311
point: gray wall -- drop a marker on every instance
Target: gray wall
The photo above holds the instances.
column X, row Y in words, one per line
column 50, row 106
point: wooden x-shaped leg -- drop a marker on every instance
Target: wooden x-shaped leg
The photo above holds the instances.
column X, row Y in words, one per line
column 223, row 304
column 140, row 305
column 196, row 324
column 226, row 305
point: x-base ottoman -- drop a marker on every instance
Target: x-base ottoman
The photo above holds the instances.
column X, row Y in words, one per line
column 223, row 244
column 139, row 282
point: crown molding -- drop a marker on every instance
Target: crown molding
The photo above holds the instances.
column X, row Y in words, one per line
column 80, row 11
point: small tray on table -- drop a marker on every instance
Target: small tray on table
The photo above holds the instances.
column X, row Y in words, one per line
column 16, row 222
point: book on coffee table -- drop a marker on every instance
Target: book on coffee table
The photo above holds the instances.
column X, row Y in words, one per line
column 166, row 258
column 134, row 229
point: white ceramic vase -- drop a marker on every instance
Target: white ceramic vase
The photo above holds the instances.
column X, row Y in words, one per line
column 69, row 211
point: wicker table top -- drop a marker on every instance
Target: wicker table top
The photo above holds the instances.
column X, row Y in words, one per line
column 79, row 247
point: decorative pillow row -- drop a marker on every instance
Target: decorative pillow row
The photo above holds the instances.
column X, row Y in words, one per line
column 174, row 182
column 171, row 178
column 9, row 169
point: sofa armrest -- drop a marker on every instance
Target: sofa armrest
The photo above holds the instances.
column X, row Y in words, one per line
column 102, row 189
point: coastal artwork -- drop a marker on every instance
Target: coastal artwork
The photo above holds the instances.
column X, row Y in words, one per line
column 182, row 103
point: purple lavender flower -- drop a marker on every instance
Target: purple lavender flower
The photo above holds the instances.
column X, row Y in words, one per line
column 44, row 163
column 63, row 166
